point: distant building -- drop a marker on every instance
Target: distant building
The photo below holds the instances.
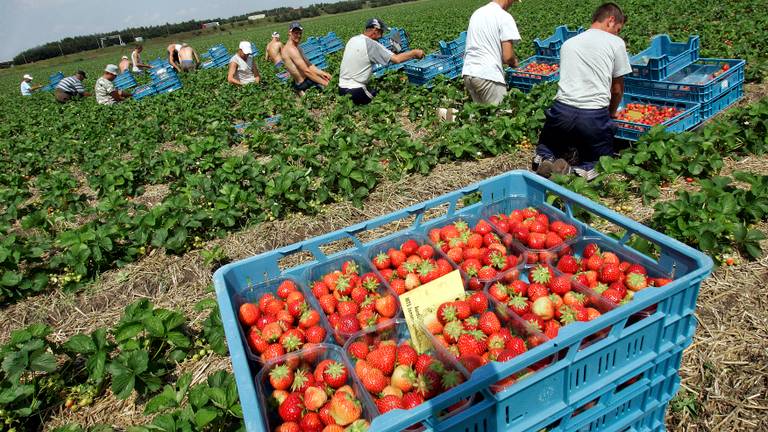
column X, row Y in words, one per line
column 139, row 39
column 211, row 24
column 256, row 17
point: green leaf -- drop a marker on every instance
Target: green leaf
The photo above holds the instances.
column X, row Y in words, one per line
column 161, row 402
column 80, row 343
column 43, row 362
column 128, row 331
column 14, row 364
column 205, row 416
column 179, row 339
column 10, row 279
column 154, row 326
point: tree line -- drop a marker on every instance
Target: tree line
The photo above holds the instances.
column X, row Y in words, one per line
column 72, row 45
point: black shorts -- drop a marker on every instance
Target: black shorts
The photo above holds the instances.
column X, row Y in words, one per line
column 306, row 85
column 360, row 96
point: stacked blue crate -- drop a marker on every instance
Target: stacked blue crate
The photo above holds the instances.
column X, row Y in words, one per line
column 143, row 91
column 125, row 81
column 664, row 57
column 455, row 46
column 424, row 71
column 217, row 56
column 550, row 47
column 53, row 81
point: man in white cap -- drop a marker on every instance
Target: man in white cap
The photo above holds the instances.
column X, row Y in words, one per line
column 360, row 54
column 242, row 66
column 106, row 93
column 305, row 74
column 26, row 87
column 124, row 64
column 273, row 50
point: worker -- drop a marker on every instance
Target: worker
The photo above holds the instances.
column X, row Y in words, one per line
column 173, row 55
column 491, row 36
column 125, row 64
column 137, row 65
column 242, row 66
column 188, row 58
column 71, row 87
column 360, row 54
column 578, row 129
column 105, row 90
column 305, row 74
column 26, row 87
column 273, row 50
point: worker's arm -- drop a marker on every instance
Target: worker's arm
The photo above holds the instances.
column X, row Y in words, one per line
column 35, row 87
column 405, row 56
column 173, row 63
column 118, row 95
column 508, row 56
column 308, row 69
column 197, row 59
column 617, row 93
column 231, row 74
column 266, row 52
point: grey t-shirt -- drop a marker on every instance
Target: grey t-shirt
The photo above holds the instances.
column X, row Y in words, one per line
column 588, row 64
column 360, row 54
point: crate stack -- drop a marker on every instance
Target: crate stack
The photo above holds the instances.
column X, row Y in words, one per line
column 448, row 63
column 53, row 81
column 616, row 372
column 217, row 56
column 164, row 80
column 125, row 81
column 673, row 73
column 327, row 44
column 547, row 52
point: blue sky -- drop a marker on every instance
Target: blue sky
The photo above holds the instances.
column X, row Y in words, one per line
column 29, row 23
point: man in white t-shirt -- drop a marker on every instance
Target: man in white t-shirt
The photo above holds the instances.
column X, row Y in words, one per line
column 360, row 54
column 490, row 37
column 26, row 86
column 579, row 128
column 137, row 65
column 242, row 66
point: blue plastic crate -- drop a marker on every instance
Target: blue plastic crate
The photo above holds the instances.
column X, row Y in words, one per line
column 55, row 78
column 424, row 70
column 526, row 80
column 694, row 83
column 455, row 46
column 710, row 109
column 633, row 348
column 143, row 91
column 664, row 57
column 686, row 120
column 550, row 47
column 396, row 40
column 125, row 80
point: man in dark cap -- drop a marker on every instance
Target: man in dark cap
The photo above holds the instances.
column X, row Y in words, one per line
column 71, row 87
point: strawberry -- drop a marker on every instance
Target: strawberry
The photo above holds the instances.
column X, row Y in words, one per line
column 403, row 378
column 660, row 282
column 412, row 399
column 560, row 285
column 358, row 350
column 290, row 409
column 590, row 250
column 256, row 341
column 302, row 380
column 382, row 261
column 344, row 408
column 609, row 272
column 519, row 305
column 292, row 340
column 406, row 355
column 425, row 251
column 489, row 323
column 249, row 313
column 386, row 306
column 478, row 302
column 552, row 240
column 289, row 427
column 487, row 273
column 409, row 247
column 383, row 358
column 423, row 361
column 463, row 309
column 281, row 377
column 498, row 291
column 311, row 422
column 636, row 281
column 543, row 308
column 636, row 268
column 328, row 303
column 389, row 403
column 373, row 380
column 348, row 324
column 314, row 398
column 536, row 290
column 335, row 375
column 568, row 264
column 471, row 343
column 551, row 328
column 573, row 298
column 309, row 318
column 612, row 296
column 286, row 287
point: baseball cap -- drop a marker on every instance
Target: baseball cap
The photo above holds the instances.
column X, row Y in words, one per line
column 27, row 76
column 81, row 72
column 376, row 23
column 112, row 69
column 246, row 47
column 275, row 34
column 294, row 26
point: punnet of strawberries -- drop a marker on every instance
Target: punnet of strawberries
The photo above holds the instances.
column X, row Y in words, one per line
column 313, row 391
column 477, row 250
column 353, row 301
column 394, row 373
column 607, row 274
column 280, row 323
column 539, row 68
column 412, row 264
column 536, row 230
column 548, row 300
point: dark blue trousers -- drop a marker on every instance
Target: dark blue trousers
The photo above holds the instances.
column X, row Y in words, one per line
column 588, row 131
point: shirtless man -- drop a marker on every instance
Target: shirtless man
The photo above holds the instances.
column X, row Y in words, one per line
column 188, row 59
column 305, row 75
column 125, row 64
column 173, row 55
column 273, row 50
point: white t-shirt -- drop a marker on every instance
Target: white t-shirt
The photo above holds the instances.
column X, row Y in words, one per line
column 360, row 54
column 26, row 89
column 135, row 60
column 489, row 26
column 244, row 72
column 588, row 64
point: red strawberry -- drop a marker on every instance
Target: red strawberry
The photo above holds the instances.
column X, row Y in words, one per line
column 314, row 398
column 383, row 358
column 612, row 296
column 335, row 375
column 560, row 285
column 311, row 422
column 249, row 313
column 425, row 251
column 636, row 268
column 373, row 380
column 535, row 291
column 358, row 349
column 519, row 305
column 409, row 247
column 471, row 343
column 406, row 355
column 389, row 403
column 478, row 302
column 382, row 261
column 344, row 408
column 552, row 240
column 287, row 286
column 487, row 273
column 386, row 306
column 256, row 341
column 567, row 231
column 551, row 328
column 590, row 250
column 281, row 377
column 498, row 291
column 348, row 324
column 291, row 408
column 568, row 264
column 609, row 273
column 328, row 303
column 423, row 361
column 463, row 309
column 309, row 318
column 412, row 399
column 489, row 323
column 636, row 281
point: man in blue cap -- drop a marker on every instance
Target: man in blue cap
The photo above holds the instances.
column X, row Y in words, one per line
column 305, row 74
column 360, row 54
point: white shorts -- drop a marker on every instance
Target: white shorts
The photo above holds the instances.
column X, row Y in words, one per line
column 485, row 91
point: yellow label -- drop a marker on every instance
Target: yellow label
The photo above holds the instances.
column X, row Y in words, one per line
column 423, row 301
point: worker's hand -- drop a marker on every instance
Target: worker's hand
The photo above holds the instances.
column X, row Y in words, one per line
column 258, row 80
column 419, row 54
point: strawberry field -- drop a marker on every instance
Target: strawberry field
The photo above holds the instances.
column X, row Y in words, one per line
column 113, row 218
